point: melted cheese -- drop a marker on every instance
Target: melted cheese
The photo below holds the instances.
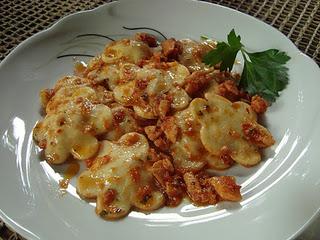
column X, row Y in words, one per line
column 177, row 73
column 113, row 74
column 114, row 172
column 74, row 117
column 126, row 50
column 180, row 98
column 221, row 126
column 107, row 72
column 121, row 91
column 158, row 82
column 188, row 151
column 193, row 53
column 123, row 122
column 71, row 81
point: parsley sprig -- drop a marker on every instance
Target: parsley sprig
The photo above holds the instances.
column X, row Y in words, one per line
column 264, row 73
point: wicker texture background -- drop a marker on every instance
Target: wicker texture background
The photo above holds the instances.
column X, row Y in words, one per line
column 297, row 19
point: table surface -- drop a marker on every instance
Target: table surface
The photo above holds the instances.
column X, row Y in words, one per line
column 299, row 20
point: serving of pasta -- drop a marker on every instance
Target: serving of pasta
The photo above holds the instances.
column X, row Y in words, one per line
column 149, row 119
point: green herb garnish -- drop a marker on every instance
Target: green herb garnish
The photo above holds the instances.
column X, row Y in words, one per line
column 264, row 73
column 204, row 37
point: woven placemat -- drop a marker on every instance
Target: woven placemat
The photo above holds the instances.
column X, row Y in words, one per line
column 298, row 19
column 20, row 19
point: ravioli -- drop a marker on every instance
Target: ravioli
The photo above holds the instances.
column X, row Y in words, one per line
column 126, row 50
column 119, row 170
column 188, row 152
column 222, row 128
column 153, row 92
column 150, row 119
column 123, row 122
column 193, row 53
column 74, row 117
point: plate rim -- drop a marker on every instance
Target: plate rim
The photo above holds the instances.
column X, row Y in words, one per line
column 29, row 235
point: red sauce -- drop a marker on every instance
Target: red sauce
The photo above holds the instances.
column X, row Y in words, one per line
column 70, row 172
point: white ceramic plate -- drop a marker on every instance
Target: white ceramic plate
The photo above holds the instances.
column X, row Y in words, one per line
column 280, row 196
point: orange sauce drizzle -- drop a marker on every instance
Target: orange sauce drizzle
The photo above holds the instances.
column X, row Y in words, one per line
column 70, row 172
